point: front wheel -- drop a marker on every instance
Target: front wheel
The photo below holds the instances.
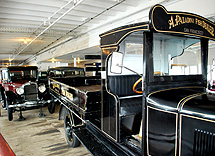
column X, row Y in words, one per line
column 2, row 98
column 9, row 110
column 70, row 138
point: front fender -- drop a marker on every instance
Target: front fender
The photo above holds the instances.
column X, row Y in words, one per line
column 10, row 95
column 1, row 93
column 61, row 112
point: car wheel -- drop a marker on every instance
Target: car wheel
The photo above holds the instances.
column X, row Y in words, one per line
column 51, row 106
column 9, row 110
column 2, row 98
column 71, row 139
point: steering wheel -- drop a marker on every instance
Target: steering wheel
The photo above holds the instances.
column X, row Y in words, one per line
column 135, row 84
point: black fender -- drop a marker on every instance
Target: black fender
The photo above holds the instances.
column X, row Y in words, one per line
column 10, row 95
column 2, row 93
column 61, row 111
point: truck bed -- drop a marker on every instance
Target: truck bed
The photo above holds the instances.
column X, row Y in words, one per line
column 91, row 88
column 77, row 93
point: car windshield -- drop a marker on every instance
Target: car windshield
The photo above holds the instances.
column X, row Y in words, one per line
column 23, row 74
column 175, row 55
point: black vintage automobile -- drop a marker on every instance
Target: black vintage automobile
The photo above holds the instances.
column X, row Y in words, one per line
column 153, row 98
column 20, row 90
column 42, row 77
column 61, row 73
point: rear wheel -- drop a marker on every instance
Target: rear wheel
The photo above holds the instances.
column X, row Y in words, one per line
column 9, row 110
column 71, row 139
column 51, row 106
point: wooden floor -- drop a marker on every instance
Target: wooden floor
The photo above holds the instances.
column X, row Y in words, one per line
column 37, row 136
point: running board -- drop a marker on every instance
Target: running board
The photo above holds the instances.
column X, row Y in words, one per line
column 97, row 144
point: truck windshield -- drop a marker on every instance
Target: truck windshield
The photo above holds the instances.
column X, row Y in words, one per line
column 175, row 55
column 23, row 74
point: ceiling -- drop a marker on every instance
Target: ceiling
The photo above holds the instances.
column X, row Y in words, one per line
column 22, row 21
column 28, row 27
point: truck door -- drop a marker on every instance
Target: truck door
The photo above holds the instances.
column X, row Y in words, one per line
column 121, row 106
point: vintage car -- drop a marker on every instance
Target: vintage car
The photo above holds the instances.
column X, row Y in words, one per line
column 20, row 90
column 152, row 99
column 62, row 73
column 42, row 77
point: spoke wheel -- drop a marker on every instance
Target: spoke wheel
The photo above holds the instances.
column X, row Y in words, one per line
column 71, row 139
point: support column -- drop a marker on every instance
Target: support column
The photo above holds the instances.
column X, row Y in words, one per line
column 75, row 63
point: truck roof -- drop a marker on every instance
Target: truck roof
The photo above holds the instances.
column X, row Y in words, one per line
column 160, row 20
column 66, row 68
column 21, row 67
column 108, row 39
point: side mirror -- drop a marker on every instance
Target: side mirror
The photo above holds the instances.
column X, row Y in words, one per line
column 116, row 63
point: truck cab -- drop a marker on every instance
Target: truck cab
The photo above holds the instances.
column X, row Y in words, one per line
column 153, row 89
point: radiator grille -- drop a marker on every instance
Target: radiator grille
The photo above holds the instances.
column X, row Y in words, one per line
column 204, row 143
column 30, row 92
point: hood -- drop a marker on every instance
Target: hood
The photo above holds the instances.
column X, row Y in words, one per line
column 18, row 84
column 14, row 85
column 185, row 100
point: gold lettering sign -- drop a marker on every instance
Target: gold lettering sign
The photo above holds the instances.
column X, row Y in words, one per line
column 206, row 26
column 55, row 85
column 179, row 20
column 67, row 94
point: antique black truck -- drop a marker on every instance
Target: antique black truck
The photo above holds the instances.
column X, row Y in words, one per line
column 152, row 99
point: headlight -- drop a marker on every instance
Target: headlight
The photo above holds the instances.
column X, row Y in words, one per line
column 20, row 90
column 42, row 88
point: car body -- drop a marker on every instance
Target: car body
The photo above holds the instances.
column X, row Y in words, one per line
column 63, row 73
column 21, row 90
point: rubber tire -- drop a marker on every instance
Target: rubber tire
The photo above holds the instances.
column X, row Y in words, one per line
column 9, row 110
column 2, row 98
column 70, row 138
column 51, row 106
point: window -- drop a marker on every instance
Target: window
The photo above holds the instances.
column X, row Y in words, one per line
column 51, row 73
column 58, row 73
column 22, row 74
column 211, row 65
column 132, row 49
column 4, row 75
column 174, row 55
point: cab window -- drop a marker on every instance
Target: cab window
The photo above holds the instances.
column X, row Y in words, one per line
column 175, row 55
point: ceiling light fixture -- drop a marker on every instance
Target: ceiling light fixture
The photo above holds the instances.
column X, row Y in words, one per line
column 78, row 59
column 53, row 60
column 25, row 41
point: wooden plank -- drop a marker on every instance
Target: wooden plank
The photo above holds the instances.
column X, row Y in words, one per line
column 5, row 149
